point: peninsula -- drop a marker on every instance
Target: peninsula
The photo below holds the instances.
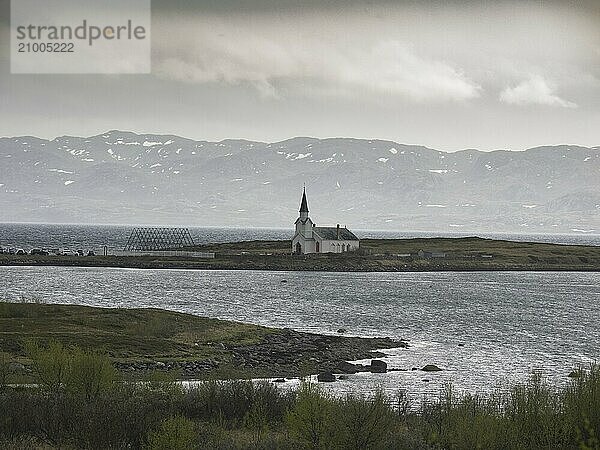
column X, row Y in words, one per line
column 143, row 341
column 374, row 255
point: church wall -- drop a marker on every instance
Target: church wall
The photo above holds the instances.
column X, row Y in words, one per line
column 326, row 246
column 305, row 229
column 308, row 246
column 331, row 246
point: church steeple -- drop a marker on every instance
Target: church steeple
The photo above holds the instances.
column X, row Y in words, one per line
column 304, row 204
column 304, row 225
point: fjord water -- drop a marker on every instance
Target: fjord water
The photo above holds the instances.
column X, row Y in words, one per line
column 483, row 328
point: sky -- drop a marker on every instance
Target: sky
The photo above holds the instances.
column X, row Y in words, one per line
column 449, row 75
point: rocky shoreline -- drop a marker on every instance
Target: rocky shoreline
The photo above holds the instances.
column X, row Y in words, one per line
column 286, row 353
column 141, row 341
column 286, row 264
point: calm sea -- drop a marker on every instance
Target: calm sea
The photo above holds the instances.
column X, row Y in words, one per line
column 509, row 323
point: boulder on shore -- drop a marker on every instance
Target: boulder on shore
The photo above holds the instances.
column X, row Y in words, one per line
column 431, row 368
column 346, row 367
column 378, row 366
column 16, row 367
column 326, row 377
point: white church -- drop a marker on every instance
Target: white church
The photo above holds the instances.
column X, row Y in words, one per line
column 310, row 238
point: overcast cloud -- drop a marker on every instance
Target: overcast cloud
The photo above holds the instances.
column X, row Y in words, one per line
column 534, row 90
column 451, row 75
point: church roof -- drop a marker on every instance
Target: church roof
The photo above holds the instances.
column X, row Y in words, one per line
column 304, row 204
column 330, row 233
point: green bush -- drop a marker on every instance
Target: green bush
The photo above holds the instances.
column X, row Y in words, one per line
column 83, row 372
column 175, row 433
column 232, row 401
column 311, row 418
column 50, row 365
column 243, row 414
column 90, row 373
column 364, row 423
column 4, row 370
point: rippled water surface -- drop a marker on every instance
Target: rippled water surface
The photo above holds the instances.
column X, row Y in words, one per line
column 509, row 323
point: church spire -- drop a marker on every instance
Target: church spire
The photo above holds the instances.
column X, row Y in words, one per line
column 304, row 204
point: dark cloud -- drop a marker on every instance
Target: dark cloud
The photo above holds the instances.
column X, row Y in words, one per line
column 449, row 74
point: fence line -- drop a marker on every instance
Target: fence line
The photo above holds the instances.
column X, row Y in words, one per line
column 158, row 253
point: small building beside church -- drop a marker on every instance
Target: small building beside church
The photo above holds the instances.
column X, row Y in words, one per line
column 309, row 238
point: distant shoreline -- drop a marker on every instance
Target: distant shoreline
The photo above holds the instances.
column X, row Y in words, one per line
column 375, row 255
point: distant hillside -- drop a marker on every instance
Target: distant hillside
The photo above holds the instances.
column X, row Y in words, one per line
column 123, row 177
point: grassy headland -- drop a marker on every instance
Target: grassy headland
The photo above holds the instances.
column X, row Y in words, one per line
column 375, row 255
column 139, row 341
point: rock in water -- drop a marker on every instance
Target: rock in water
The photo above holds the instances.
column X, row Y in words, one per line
column 326, row 377
column 431, row 368
column 378, row 366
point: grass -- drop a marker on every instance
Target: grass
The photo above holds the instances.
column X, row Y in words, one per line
column 124, row 334
column 374, row 255
column 469, row 253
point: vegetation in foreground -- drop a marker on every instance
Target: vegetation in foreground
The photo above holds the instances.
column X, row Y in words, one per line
column 80, row 402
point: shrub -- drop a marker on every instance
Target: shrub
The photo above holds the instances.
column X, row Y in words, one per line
column 364, row 423
column 175, row 433
column 49, row 364
column 311, row 417
column 242, row 414
column 257, row 420
column 4, row 370
column 90, row 373
column 232, row 400
column 82, row 372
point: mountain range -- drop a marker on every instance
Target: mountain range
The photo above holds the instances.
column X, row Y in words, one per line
column 124, row 177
